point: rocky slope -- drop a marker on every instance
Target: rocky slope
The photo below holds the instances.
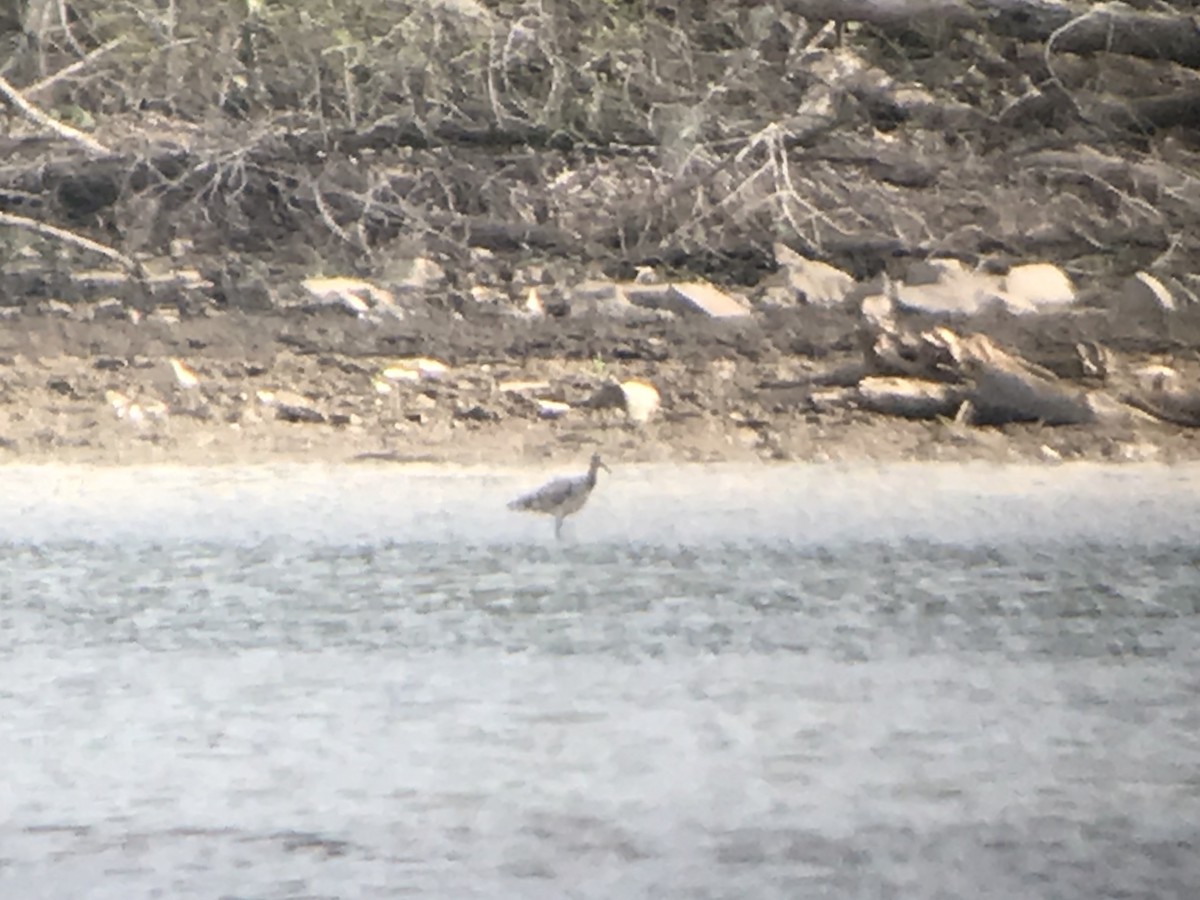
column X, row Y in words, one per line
column 318, row 384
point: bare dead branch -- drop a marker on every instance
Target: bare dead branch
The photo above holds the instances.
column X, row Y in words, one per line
column 31, row 112
column 64, row 20
column 75, row 67
column 327, row 217
column 69, row 237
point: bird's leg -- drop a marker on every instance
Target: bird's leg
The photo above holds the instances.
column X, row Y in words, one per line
column 558, row 520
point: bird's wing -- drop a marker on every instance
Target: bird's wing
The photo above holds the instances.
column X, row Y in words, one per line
column 548, row 496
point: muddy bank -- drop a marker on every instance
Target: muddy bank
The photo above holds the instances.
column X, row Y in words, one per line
column 307, row 385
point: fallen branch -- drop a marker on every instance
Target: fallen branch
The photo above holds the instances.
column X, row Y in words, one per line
column 1007, row 388
column 1096, row 28
column 1072, row 27
column 70, row 237
column 903, row 14
column 74, row 67
column 35, row 115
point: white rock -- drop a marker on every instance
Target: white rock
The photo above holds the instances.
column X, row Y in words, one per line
column 155, row 409
column 1037, row 287
column 397, row 373
column 552, row 409
column 520, row 387
column 642, row 401
column 358, row 296
column 486, row 295
column 133, row 412
column 813, row 282
column 119, row 403
column 879, row 310
column 1157, row 379
column 700, row 296
column 164, row 315
column 184, row 377
column 416, row 368
column 1049, row 454
column 533, row 303
column 947, row 287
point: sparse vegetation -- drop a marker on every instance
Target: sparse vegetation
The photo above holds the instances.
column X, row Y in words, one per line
column 224, row 153
column 618, row 131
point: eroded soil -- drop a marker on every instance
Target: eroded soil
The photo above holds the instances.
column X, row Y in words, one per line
column 737, row 391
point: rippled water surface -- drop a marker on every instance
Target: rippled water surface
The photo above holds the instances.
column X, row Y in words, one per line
column 908, row 682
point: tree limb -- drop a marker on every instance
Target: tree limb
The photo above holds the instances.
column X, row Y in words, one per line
column 74, row 67
column 31, row 112
column 71, row 238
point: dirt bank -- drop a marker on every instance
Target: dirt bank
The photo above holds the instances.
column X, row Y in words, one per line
column 213, row 179
column 307, row 386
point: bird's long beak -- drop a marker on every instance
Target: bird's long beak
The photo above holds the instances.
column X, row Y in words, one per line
column 606, row 468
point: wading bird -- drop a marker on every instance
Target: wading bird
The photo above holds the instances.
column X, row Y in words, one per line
column 562, row 496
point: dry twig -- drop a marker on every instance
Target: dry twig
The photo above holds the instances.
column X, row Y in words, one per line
column 31, row 112
column 74, row 67
column 70, row 237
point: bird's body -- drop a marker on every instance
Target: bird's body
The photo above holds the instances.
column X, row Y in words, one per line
column 561, row 496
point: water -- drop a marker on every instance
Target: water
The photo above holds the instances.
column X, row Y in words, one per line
column 908, row 682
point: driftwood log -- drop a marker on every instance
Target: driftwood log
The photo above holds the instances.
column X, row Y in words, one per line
column 1006, row 388
column 939, row 373
column 1095, row 28
column 1168, row 401
column 909, row 398
column 1066, row 27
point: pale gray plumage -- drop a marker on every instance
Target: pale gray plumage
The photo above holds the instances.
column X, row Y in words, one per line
column 562, row 496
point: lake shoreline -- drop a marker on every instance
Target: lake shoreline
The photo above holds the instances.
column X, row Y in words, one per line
column 235, row 388
column 542, row 445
